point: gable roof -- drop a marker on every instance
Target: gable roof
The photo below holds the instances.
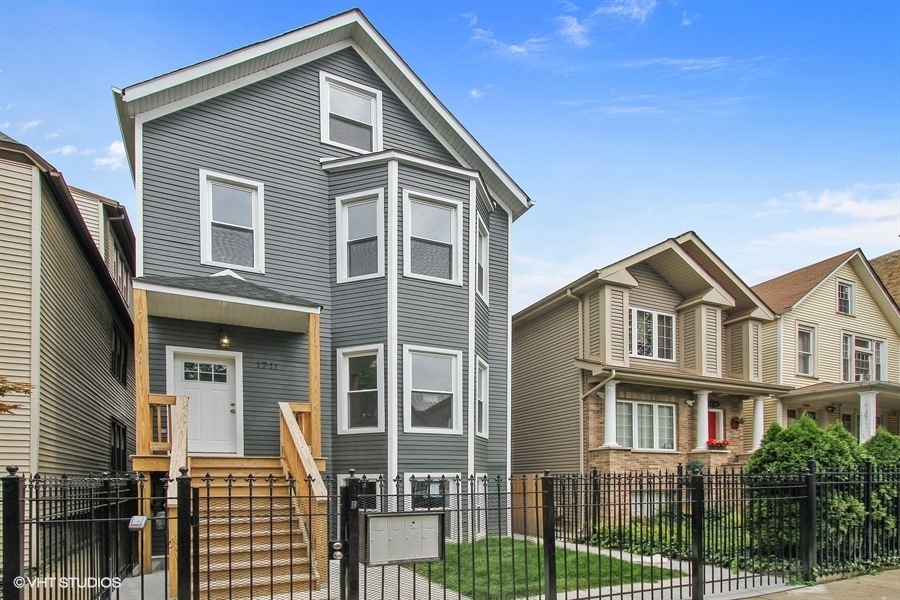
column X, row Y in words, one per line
column 235, row 69
column 787, row 290
column 62, row 195
column 686, row 263
column 887, row 266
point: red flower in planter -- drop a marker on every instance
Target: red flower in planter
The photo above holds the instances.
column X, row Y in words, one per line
column 717, row 443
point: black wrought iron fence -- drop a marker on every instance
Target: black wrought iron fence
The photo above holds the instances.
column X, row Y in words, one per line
column 600, row 535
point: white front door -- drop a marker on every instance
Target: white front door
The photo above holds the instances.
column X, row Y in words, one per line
column 213, row 409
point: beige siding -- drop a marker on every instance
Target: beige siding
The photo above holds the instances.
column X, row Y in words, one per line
column 78, row 391
column 755, row 351
column 818, row 309
column 594, row 320
column 16, row 182
column 90, row 214
column 689, row 340
column 735, row 346
column 618, row 326
column 653, row 293
column 545, row 392
column 769, row 349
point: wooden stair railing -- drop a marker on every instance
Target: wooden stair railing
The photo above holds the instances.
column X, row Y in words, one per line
column 298, row 462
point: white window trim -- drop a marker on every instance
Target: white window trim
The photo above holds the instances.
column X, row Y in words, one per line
column 456, row 235
column 326, row 80
column 343, row 354
column 340, row 218
column 483, row 232
column 633, row 334
column 852, row 299
column 381, row 487
column 450, row 527
column 408, row 351
column 634, row 426
column 259, row 253
column 812, row 352
column 482, row 366
column 879, row 356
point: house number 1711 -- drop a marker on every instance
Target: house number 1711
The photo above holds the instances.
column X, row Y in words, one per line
column 267, row 365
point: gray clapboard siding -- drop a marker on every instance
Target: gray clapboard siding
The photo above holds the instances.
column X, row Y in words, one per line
column 16, row 306
column 263, row 388
column 491, row 456
column 545, row 392
column 76, row 336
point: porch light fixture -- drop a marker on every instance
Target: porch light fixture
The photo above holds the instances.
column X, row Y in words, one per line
column 690, row 401
column 224, row 340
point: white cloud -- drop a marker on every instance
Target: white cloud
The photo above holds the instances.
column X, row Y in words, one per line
column 635, row 10
column 72, row 150
column 5, row 125
column 472, row 18
column 30, row 124
column 679, row 64
column 687, row 21
column 574, row 31
column 476, row 94
column 529, row 47
column 568, row 6
column 52, row 135
column 113, row 159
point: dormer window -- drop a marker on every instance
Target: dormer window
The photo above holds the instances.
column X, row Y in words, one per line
column 651, row 334
column 350, row 114
column 845, row 298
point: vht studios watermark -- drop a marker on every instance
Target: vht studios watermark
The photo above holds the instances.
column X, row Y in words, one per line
column 93, row 583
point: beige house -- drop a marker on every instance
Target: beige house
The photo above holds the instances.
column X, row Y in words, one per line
column 66, row 259
column 638, row 365
column 836, row 340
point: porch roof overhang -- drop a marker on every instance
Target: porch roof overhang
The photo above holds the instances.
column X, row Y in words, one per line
column 227, row 300
column 680, row 381
column 888, row 393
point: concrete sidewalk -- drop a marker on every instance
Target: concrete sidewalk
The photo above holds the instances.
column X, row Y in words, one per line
column 884, row 585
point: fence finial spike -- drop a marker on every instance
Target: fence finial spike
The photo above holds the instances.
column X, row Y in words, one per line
column 12, row 470
column 183, row 471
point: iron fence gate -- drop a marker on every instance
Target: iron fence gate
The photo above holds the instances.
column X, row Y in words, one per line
column 601, row 535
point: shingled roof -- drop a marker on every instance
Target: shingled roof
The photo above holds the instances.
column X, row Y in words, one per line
column 887, row 266
column 785, row 291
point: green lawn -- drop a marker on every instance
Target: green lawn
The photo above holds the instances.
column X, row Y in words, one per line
column 500, row 567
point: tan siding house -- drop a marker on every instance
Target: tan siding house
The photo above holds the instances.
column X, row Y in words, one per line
column 836, row 340
column 64, row 326
column 631, row 359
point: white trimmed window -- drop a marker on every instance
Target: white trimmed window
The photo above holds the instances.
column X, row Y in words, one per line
column 482, row 256
column 845, row 297
column 432, row 237
column 862, row 358
column 481, row 398
column 350, row 114
column 360, row 406
column 360, row 230
column 645, row 425
column 436, row 491
column 231, row 222
column 806, row 350
column 432, row 390
column 651, row 334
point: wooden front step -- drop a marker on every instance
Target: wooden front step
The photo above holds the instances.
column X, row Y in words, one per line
column 253, row 540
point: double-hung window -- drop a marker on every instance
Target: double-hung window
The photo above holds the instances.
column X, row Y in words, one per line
column 432, row 237
column 806, row 347
column 645, row 425
column 360, row 383
column 432, row 390
column 845, row 297
column 862, row 358
column 350, row 114
column 651, row 334
column 231, row 222
column 360, row 227
column 481, row 260
column 118, row 360
column 481, row 398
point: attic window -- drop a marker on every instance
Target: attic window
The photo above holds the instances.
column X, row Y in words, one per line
column 350, row 114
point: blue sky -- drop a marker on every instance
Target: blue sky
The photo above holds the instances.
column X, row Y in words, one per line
column 772, row 129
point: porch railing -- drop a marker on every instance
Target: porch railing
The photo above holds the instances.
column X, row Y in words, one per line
column 299, row 463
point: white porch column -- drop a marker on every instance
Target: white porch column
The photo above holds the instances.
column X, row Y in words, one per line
column 609, row 418
column 866, row 415
column 758, row 421
column 702, row 419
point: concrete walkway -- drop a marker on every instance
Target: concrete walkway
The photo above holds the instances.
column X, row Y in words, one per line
column 884, row 585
